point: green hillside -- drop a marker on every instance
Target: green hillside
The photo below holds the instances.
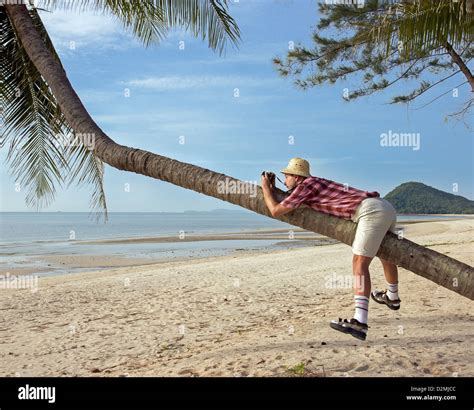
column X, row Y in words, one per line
column 418, row 198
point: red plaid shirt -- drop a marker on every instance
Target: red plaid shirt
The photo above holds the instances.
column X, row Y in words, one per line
column 329, row 197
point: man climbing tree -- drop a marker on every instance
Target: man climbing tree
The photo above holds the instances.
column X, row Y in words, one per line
column 374, row 217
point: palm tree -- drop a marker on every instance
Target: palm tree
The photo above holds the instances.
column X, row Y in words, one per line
column 415, row 27
column 423, row 28
column 445, row 271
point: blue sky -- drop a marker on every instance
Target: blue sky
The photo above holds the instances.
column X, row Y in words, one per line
column 190, row 93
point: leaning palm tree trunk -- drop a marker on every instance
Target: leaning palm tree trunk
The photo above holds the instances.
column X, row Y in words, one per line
column 444, row 271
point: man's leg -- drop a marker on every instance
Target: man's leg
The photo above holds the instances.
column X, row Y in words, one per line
column 357, row 326
column 360, row 269
column 390, row 271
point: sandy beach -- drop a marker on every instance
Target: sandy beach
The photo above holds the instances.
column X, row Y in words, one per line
column 245, row 314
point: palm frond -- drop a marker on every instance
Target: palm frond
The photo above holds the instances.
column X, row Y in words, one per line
column 203, row 18
column 419, row 25
column 36, row 128
column 151, row 20
column 85, row 167
column 207, row 19
column 29, row 118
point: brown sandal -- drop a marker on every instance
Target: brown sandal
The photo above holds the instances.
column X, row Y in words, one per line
column 380, row 296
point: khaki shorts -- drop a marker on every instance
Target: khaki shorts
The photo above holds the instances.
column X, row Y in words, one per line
column 374, row 217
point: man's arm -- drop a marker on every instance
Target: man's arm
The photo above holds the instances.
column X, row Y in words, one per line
column 273, row 206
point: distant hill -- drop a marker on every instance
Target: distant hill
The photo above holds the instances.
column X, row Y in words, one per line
column 418, row 198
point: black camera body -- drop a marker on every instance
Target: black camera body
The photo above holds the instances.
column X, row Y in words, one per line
column 271, row 176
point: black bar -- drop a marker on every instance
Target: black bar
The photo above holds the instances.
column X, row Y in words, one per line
column 223, row 393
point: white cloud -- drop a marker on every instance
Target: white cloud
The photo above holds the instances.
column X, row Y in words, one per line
column 264, row 57
column 194, row 81
column 170, row 122
column 84, row 30
column 275, row 163
column 79, row 25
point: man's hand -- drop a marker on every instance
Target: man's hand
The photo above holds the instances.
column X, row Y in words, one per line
column 265, row 182
column 273, row 206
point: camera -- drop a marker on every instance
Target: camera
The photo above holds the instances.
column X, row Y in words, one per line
column 271, row 176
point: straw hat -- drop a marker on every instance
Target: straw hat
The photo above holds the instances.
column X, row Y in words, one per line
column 297, row 166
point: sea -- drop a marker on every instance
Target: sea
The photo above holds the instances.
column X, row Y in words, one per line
column 25, row 236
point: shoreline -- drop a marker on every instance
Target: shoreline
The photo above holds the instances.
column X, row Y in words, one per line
column 78, row 257
column 67, row 264
column 262, row 234
column 224, row 236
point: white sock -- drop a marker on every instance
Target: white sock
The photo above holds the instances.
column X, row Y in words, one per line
column 361, row 308
column 392, row 291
